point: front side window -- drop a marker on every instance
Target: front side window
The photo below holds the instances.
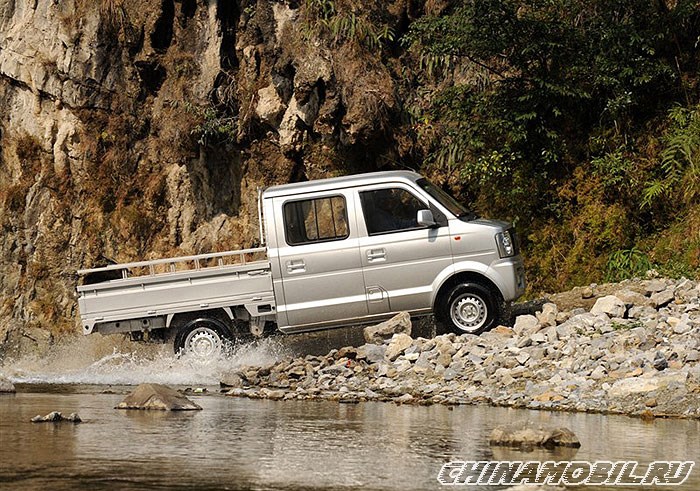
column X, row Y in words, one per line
column 390, row 210
column 315, row 220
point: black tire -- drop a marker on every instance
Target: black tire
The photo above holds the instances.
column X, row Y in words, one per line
column 204, row 338
column 470, row 308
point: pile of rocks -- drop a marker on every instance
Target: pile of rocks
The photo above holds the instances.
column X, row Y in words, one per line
column 635, row 351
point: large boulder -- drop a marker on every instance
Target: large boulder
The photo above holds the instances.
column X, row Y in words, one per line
column 399, row 324
column 634, row 386
column 528, row 435
column 6, row 387
column 157, row 396
column 610, row 305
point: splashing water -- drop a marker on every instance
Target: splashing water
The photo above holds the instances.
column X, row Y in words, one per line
column 97, row 360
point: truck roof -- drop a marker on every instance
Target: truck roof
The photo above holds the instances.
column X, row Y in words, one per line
column 341, row 182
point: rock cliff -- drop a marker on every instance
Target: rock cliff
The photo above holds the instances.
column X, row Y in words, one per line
column 133, row 130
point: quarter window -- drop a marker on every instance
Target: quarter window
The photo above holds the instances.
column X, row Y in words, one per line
column 316, row 220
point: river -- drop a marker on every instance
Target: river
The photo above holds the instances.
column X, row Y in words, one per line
column 254, row 444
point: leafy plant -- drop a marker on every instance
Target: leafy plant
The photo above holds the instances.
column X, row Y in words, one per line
column 627, row 263
column 680, row 159
column 213, row 128
column 324, row 19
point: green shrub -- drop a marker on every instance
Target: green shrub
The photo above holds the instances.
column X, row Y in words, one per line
column 627, row 263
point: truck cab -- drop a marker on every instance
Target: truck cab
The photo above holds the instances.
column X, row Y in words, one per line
column 360, row 248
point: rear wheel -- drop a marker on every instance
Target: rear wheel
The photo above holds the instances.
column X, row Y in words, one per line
column 203, row 338
column 470, row 308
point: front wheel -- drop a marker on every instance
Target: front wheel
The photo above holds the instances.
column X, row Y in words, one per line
column 470, row 308
column 202, row 338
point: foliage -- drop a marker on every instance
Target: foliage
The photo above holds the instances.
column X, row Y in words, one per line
column 545, row 111
column 323, row 19
column 213, row 128
column 556, row 71
column 627, row 263
column 680, row 159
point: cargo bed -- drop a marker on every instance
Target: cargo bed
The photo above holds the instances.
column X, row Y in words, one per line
column 149, row 293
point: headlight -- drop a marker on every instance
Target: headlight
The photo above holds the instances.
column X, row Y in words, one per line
column 507, row 243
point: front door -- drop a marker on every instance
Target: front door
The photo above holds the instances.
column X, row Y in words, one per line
column 320, row 264
column 400, row 258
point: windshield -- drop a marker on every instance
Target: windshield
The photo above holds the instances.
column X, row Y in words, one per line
column 443, row 198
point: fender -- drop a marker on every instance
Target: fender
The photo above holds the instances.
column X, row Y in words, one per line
column 169, row 317
column 466, row 267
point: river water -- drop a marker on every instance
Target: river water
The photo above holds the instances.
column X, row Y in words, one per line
column 252, row 444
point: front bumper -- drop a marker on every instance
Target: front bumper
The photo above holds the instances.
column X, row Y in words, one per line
column 510, row 274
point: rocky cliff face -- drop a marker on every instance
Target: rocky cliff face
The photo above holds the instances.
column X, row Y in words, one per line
column 133, row 130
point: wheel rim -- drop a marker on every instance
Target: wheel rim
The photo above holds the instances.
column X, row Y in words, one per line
column 469, row 312
column 203, row 342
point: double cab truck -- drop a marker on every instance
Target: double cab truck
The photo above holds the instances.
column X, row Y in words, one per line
column 339, row 252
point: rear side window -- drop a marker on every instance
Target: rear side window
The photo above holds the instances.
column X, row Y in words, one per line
column 315, row 220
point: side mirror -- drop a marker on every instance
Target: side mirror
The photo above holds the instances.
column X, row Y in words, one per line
column 426, row 219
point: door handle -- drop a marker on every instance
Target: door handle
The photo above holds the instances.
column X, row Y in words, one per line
column 376, row 254
column 296, row 266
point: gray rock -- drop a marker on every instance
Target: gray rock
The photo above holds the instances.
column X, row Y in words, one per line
column 6, row 387
column 662, row 299
column 599, row 373
column 527, row 435
column 641, row 385
column 641, row 312
column 404, row 399
column 373, row 353
column 525, row 324
column 692, row 356
column 231, row 380
column 399, row 324
column 57, row 417
column 539, row 337
column 631, row 298
column 565, row 330
column 450, row 374
column 680, row 326
column 660, row 362
column 159, row 397
column 548, row 316
column 522, row 358
column 398, row 343
column 610, row 305
column 655, row 286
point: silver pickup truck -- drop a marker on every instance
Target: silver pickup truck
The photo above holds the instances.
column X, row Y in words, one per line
column 342, row 251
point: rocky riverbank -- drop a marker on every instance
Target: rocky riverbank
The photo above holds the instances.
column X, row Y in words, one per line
column 634, row 351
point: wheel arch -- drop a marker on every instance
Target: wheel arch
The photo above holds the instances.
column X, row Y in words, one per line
column 223, row 315
column 464, row 277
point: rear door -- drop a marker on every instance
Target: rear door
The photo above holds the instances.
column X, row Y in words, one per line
column 400, row 259
column 319, row 259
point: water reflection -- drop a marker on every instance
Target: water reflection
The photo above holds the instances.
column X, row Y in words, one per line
column 249, row 444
